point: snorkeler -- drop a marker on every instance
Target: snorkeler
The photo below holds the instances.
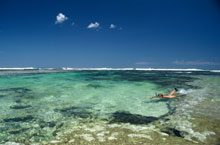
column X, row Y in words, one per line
column 171, row 95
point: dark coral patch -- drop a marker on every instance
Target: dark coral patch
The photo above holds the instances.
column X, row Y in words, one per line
column 94, row 86
column 75, row 112
column 17, row 90
column 173, row 132
column 19, row 119
column 126, row 117
column 20, row 106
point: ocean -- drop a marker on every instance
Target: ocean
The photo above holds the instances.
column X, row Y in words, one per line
column 64, row 106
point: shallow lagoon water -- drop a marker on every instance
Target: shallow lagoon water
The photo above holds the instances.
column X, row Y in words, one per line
column 38, row 107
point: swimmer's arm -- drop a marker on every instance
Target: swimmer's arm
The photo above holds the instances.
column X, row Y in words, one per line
column 169, row 96
column 172, row 96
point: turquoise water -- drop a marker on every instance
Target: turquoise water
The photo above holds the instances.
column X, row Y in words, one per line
column 37, row 106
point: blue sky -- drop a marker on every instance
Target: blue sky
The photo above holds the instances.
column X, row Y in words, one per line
column 77, row 33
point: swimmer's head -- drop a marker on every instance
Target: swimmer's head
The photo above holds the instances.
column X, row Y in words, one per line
column 160, row 95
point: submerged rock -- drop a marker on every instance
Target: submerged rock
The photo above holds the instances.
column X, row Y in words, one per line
column 1, row 96
column 55, row 141
column 126, row 117
column 17, row 90
column 18, row 131
column 94, row 86
column 43, row 124
column 173, row 132
column 19, row 119
column 75, row 112
column 20, row 106
column 12, row 143
column 87, row 137
column 140, row 136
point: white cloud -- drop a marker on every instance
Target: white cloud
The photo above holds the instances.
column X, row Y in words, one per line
column 112, row 26
column 195, row 63
column 61, row 18
column 93, row 25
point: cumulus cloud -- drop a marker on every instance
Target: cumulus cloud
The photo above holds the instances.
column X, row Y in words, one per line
column 112, row 26
column 60, row 18
column 195, row 63
column 93, row 25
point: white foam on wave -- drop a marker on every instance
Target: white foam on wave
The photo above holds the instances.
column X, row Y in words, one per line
column 69, row 68
column 142, row 69
column 214, row 70
column 169, row 69
column 183, row 91
column 18, row 68
column 189, row 70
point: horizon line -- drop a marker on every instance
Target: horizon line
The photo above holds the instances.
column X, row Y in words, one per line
column 109, row 68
